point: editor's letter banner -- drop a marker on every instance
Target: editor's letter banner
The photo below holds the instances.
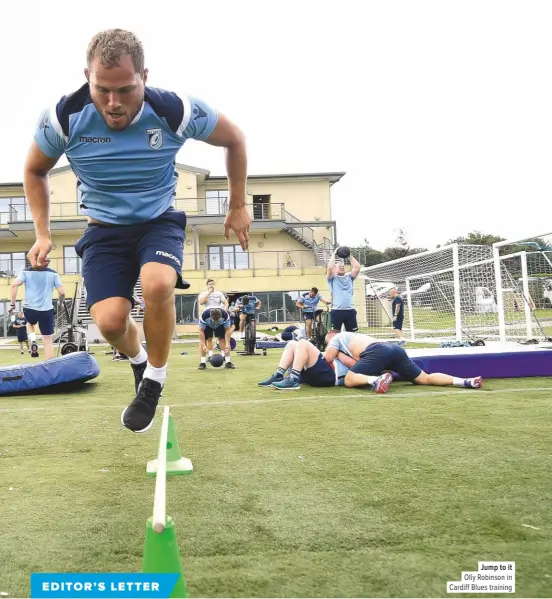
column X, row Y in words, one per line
column 95, row 585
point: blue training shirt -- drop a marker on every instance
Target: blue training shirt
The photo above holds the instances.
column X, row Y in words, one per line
column 309, row 303
column 342, row 290
column 128, row 176
column 250, row 307
column 39, row 285
column 206, row 320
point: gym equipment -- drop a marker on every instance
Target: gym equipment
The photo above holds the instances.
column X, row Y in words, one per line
column 250, row 336
column 73, row 335
column 344, row 252
column 216, row 360
column 34, row 349
column 73, row 368
column 320, row 329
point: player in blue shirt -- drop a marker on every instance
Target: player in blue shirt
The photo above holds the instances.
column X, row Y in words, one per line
column 121, row 138
column 376, row 360
column 308, row 304
column 341, row 286
column 38, row 307
column 247, row 305
column 215, row 322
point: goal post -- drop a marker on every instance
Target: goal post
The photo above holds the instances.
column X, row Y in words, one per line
column 470, row 293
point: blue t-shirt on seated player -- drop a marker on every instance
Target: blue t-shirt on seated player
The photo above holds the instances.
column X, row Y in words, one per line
column 129, row 176
column 342, row 289
column 247, row 308
column 309, row 303
column 39, row 285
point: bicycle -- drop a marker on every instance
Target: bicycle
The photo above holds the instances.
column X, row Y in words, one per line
column 250, row 334
column 319, row 329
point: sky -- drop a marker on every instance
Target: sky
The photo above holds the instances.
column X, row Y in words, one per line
column 439, row 112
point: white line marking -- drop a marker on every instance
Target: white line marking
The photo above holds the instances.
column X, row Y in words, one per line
column 529, row 526
column 296, row 397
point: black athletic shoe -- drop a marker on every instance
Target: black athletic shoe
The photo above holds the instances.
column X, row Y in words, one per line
column 138, row 370
column 229, row 365
column 139, row 415
column 202, row 366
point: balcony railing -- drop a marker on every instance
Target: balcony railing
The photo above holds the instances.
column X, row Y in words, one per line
column 192, row 207
column 231, row 261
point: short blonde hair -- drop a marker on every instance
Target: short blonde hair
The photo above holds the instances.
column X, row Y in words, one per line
column 110, row 45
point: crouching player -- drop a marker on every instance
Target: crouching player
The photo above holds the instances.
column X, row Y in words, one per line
column 309, row 366
column 373, row 358
column 214, row 322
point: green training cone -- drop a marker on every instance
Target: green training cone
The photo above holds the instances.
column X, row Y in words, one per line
column 176, row 464
column 161, row 555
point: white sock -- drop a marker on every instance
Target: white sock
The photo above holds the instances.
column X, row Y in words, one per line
column 141, row 357
column 372, row 379
column 156, row 374
column 227, row 359
column 457, row 382
column 210, row 352
column 204, row 360
column 32, row 337
column 222, row 353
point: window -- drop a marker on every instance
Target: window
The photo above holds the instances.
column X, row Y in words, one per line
column 227, row 257
column 216, row 202
column 71, row 262
column 13, row 209
column 186, row 309
column 11, row 264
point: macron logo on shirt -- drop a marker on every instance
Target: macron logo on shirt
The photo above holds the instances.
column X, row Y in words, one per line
column 85, row 139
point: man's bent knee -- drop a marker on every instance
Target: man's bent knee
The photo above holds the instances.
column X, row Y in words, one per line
column 158, row 282
column 111, row 316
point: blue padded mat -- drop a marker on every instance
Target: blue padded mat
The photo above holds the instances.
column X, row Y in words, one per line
column 270, row 344
column 72, row 368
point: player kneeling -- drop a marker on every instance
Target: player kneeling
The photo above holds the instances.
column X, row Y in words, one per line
column 214, row 322
column 309, row 366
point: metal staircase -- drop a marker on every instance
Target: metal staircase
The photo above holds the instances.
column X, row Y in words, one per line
column 84, row 315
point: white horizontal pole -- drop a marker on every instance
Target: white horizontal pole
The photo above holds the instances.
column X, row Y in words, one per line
column 518, row 240
column 160, row 497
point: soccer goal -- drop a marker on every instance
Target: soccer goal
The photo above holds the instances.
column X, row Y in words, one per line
column 451, row 293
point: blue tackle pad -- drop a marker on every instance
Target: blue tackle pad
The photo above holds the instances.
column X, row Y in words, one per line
column 76, row 367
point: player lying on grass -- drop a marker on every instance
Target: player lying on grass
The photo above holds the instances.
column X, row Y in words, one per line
column 310, row 367
column 214, row 322
column 373, row 358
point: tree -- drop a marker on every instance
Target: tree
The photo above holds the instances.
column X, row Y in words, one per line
column 476, row 238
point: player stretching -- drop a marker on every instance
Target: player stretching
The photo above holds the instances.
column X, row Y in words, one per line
column 373, row 358
column 215, row 322
column 309, row 366
column 121, row 138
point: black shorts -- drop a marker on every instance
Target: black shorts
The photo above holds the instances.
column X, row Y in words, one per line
column 319, row 375
column 219, row 332
column 112, row 255
column 308, row 315
column 44, row 319
column 378, row 357
column 344, row 317
column 398, row 324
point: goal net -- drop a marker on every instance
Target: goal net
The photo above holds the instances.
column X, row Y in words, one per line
column 449, row 294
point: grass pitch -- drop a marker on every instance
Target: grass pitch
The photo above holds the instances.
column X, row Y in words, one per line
column 332, row 492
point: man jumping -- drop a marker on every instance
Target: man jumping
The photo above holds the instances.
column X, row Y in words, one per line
column 374, row 358
column 309, row 366
column 38, row 307
column 214, row 322
column 121, row 138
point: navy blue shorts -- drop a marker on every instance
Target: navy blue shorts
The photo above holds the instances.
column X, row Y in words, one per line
column 308, row 315
column 112, row 255
column 22, row 335
column 398, row 324
column 319, row 375
column 44, row 319
column 344, row 317
column 378, row 357
column 219, row 332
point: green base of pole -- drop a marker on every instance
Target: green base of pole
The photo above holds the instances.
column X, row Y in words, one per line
column 161, row 555
column 181, row 466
